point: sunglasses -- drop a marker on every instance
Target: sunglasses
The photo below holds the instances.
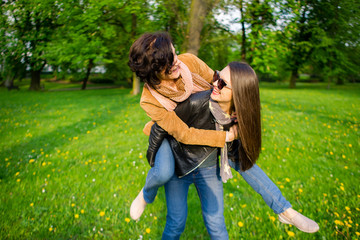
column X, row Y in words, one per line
column 221, row 83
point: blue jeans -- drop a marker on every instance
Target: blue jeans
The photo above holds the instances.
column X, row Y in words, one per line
column 210, row 190
column 263, row 185
column 161, row 173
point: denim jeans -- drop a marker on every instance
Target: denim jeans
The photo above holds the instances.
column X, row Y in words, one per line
column 161, row 173
column 263, row 185
column 210, row 190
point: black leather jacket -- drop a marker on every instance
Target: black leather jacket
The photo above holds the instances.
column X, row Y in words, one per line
column 195, row 113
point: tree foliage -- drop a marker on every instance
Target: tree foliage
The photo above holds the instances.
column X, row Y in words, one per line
column 280, row 39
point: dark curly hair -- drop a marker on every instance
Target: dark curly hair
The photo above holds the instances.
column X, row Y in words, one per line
column 150, row 54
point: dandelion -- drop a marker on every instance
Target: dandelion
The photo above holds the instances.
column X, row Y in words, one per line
column 240, row 224
column 76, row 216
column 127, row 220
column 338, row 222
column 281, row 186
column 331, row 153
column 347, row 208
column 272, row 218
column 73, row 204
column 346, row 167
column 300, row 190
column 50, row 229
column 342, row 188
column 82, row 211
column 18, row 180
column 357, row 233
column 325, row 195
column 290, row 233
column 243, row 206
column 43, row 164
column 287, row 179
column 147, row 230
column 102, row 214
column 155, row 218
column 231, row 195
column 31, row 160
column 17, row 173
column 350, row 145
column 31, row 204
column 107, row 219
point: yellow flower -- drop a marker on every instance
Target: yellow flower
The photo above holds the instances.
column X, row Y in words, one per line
column 350, row 145
column 342, row 188
column 338, row 222
column 272, row 218
column 300, row 190
column 127, row 220
column 347, row 208
column 357, row 233
column 231, row 195
column 107, row 219
column 343, row 156
column 287, row 149
column 17, row 173
column 31, row 204
column 50, row 229
column 346, row 167
column 240, row 224
column 281, row 186
column 82, row 211
column 76, row 215
column 290, row 233
column 243, row 206
column 287, row 179
column 18, row 180
column 147, row 230
column 43, row 164
column 102, row 214
column 73, row 204
column 155, row 218
column 31, row 160
column 331, row 153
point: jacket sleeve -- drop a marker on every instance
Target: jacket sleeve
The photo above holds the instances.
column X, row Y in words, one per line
column 156, row 137
column 171, row 123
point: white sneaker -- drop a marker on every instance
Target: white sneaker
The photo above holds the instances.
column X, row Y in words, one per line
column 301, row 222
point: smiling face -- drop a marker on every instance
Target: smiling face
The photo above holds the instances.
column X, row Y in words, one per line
column 174, row 72
column 223, row 96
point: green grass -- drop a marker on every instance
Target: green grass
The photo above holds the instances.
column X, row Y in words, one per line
column 71, row 162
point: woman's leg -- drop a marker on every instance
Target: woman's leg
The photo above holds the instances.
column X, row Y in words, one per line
column 176, row 191
column 210, row 190
column 263, row 185
column 273, row 197
column 157, row 176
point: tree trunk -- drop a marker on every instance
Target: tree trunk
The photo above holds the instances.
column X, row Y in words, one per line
column 136, row 85
column 135, row 80
column 243, row 39
column 90, row 66
column 293, row 78
column 198, row 12
column 35, row 80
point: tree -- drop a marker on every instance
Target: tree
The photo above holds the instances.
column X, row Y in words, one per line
column 29, row 28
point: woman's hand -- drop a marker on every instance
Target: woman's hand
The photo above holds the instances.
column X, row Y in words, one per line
column 232, row 134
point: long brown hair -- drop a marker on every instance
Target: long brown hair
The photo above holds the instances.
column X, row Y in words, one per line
column 246, row 100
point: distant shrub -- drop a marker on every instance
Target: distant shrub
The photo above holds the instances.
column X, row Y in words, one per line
column 101, row 80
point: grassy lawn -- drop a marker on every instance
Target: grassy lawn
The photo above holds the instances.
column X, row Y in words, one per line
column 71, row 162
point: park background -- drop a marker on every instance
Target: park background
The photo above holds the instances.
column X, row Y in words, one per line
column 71, row 160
